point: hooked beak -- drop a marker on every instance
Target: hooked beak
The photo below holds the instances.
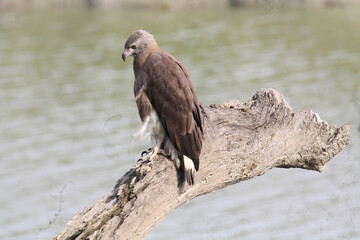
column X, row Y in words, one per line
column 125, row 54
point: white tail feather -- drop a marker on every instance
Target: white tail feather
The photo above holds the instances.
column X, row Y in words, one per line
column 189, row 169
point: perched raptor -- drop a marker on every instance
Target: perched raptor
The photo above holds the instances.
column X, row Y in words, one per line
column 167, row 102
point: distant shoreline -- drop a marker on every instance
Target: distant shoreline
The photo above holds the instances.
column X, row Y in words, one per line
column 174, row 5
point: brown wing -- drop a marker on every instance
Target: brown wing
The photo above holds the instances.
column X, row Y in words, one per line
column 143, row 104
column 173, row 97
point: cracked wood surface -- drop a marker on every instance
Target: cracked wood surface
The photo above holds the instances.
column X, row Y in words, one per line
column 242, row 141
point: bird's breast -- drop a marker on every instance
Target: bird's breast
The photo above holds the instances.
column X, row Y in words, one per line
column 152, row 128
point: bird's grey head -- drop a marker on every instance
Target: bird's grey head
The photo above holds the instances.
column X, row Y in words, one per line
column 138, row 43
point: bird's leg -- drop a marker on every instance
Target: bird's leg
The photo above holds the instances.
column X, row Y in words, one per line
column 150, row 154
column 146, row 152
column 177, row 162
column 164, row 152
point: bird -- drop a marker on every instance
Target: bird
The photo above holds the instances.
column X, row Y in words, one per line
column 167, row 103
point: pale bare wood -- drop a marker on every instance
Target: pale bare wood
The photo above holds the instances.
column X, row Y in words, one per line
column 242, row 141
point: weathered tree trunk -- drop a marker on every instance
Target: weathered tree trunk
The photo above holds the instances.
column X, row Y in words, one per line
column 242, row 141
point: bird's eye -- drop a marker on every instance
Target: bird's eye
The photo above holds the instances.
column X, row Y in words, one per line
column 133, row 47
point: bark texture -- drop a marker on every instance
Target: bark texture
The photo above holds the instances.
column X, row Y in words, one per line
column 242, row 141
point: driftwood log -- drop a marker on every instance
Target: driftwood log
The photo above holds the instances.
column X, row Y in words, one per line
column 242, row 141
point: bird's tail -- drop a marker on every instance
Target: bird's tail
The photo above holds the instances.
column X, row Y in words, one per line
column 189, row 169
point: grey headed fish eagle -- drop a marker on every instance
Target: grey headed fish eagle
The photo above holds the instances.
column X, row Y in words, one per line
column 167, row 103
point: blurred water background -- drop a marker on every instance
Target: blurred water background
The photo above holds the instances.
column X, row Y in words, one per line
column 67, row 115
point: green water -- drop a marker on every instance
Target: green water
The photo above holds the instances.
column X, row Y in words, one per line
column 67, row 115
